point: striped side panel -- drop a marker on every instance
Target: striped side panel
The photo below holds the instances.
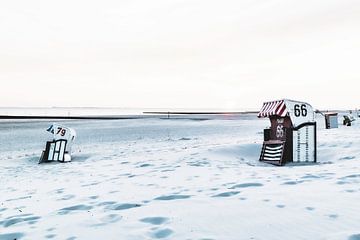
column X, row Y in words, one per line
column 273, row 152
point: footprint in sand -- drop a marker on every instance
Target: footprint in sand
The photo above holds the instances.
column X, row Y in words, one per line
column 227, row 194
column 172, row 197
column 341, row 182
column 71, row 238
column 16, row 199
column 106, row 203
column 226, row 184
column 108, row 219
column 354, row 237
column 111, row 218
column 74, row 208
column 122, row 206
column 350, row 191
column 11, row 236
column 155, row 220
column 350, row 177
column 292, row 182
column 11, row 189
column 50, row 229
column 24, row 218
column 145, row 165
column 90, row 184
column 59, row 191
column 93, row 197
column 162, row 233
column 247, row 185
column 333, row 216
column 67, row 197
column 50, row 236
column 310, row 176
column 112, row 192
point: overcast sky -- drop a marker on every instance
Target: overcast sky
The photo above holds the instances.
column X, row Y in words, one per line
column 179, row 53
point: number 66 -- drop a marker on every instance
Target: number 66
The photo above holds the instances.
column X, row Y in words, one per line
column 300, row 110
column 279, row 131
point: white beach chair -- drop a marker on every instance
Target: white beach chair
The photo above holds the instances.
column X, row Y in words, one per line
column 59, row 148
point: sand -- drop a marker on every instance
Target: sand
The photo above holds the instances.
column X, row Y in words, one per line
column 176, row 179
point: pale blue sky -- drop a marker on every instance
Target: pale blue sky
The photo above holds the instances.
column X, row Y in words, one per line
column 179, row 53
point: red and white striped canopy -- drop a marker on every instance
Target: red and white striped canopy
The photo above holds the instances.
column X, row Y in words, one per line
column 277, row 108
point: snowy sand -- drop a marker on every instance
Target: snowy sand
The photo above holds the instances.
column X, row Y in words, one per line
column 176, row 179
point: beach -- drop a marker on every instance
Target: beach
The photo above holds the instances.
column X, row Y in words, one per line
column 187, row 177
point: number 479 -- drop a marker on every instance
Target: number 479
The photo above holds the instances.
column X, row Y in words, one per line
column 300, row 110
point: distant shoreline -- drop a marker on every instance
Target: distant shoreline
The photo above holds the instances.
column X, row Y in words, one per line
column 119, row 117
column 71, row 117
column 202, row 113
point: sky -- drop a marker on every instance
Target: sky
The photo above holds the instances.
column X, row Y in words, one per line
column 229, row 54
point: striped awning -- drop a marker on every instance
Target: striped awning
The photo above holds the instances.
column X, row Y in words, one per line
column 277, row 108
